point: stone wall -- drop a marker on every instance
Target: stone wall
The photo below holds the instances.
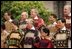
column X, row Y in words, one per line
column 56, row 8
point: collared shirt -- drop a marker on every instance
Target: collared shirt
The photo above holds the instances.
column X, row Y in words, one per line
column 26, row 19
column 10, row 20
column 68, row 20
column 36, row 17
column 69, row 14
column 33, row 28
column 64, row 28
column 54, row 24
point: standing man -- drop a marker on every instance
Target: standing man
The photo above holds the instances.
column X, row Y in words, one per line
column 38, row 22
column 9, row 22
column 51, row 27
column 67, row 16
column 23, row 20
column 62, row 30
column 52, row 19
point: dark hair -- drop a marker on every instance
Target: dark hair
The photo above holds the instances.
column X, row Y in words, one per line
column 62, row 20
column 46, row 30
column 9, row 13
column 54, row 16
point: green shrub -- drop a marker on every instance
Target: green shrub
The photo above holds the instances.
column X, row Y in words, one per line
column 16, row 7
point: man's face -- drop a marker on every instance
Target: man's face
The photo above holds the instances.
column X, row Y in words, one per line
column 59, row 24
column 33, row 13
column 6, row 16
column 66, row 10
column 23, row 15
column 43, row 34
column 51, row 18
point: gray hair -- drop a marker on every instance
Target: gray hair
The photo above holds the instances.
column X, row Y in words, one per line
column 36, row 11
column 67, row 5
column 26, row 14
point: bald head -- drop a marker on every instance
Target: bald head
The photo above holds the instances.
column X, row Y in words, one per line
column 67, row 9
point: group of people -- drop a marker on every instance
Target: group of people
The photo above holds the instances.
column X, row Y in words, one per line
column 32, row 32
